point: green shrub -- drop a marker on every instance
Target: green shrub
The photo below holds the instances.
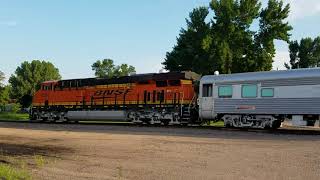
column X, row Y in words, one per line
column 15, row 108
column 8, row 172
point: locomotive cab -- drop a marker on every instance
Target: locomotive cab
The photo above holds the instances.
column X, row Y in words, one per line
column 42, row 96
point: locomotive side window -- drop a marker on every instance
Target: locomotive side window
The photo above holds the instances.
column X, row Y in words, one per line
column 249, row 91
column 267, row 92
column 207, row 90
column 225, row 91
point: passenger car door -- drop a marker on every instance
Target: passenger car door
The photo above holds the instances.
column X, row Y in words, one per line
column 206, row 101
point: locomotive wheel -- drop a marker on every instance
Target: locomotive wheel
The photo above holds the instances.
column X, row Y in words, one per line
column 146, row 121
column 276, row 124
column 227, row 125
column 34, row 117
column 166, row 122
column 184, row 124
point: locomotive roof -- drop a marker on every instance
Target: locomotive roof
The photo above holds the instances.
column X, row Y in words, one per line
column 135, row 78
column 263, row 75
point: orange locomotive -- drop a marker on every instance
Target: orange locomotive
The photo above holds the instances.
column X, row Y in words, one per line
column 167, row 98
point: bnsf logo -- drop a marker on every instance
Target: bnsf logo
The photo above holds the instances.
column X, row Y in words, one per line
column 111, row 92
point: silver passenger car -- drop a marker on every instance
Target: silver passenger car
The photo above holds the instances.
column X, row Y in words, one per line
column 261, row 99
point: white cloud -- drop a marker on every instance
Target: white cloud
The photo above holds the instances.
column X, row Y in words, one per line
column 8, row 23
column 280, row 58
column 300, row 9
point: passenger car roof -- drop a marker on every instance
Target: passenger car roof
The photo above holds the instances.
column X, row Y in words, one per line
column 263, row 75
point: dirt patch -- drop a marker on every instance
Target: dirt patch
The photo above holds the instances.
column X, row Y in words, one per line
column 110, row 152
column 7, row 149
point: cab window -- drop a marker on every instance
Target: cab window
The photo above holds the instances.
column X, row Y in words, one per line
column 47, row 87
column 207, row 90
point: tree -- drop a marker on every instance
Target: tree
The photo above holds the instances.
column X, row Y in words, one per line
column 1, row 78
column 107, row 69
column 27, row 79
column 4, row 92
column 4, row 96
column 124, row 70
column 272, row 27
column 305, row 54
column 228, row 43
column 191, row 51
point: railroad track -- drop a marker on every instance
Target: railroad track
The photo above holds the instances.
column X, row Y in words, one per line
column 283, row 130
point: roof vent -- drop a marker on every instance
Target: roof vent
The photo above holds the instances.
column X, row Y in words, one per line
column 162, row 71
column 132, row 74
column 216, row 73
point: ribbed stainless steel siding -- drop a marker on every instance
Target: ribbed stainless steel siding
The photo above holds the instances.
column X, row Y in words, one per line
column 278, row 82
column 294, row 106
column 237, row 82
column 291, row 82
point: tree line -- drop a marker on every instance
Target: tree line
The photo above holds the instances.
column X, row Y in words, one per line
column 227, row 41
column 229, row 36
column 232, row 36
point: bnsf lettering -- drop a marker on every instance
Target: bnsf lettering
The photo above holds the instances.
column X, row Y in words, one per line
column 112, row 92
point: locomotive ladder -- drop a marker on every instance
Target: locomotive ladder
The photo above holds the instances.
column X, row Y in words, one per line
column 186, row 111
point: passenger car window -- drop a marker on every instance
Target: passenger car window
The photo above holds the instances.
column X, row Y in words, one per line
column 267, row 92
column 249, row 91
column 207, row 90
column 225, row 91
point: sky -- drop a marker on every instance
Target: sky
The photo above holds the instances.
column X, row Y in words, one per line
column 75, row 33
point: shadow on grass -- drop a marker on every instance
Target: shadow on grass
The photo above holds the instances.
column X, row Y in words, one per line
column 7, row 149
column 16, row 160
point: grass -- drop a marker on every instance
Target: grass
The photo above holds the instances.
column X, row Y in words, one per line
column 14, row 168
column 8, row 172
column 14, row 116
column 39, row 160
column 214, row 123
column 119, row 168
column 105, row 122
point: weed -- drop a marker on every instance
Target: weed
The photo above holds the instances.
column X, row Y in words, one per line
column 119, row 168
column 39, row 160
